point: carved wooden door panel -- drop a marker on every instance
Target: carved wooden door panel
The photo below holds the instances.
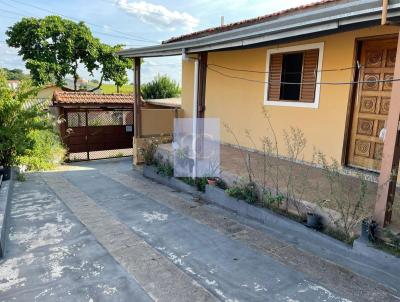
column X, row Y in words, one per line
column 372, row 103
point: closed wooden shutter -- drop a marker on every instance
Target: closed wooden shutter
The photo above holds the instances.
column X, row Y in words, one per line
column 274, row 79
column 310, row 65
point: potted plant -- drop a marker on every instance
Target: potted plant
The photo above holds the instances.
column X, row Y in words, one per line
column 212, row 181
column 368, row 229
column 314, row 221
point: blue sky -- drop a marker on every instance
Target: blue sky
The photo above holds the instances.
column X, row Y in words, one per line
column 136, row 23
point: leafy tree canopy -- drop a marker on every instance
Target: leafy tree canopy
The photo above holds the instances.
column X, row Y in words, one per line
column 161, row 87
column 53, row 48
column 15, row 74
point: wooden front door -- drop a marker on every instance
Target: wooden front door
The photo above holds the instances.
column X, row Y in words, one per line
column 372, row 103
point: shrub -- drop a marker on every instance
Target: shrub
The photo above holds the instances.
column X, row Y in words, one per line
column 199, row 183
column 47, row 151
column 272, row 201
column 346, row 196
column 164, row 167
column 19, row 116
column 148, row 151
column 247, row 192
column 161, row 87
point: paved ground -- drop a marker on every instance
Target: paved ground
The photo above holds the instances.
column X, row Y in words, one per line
column 101, row 232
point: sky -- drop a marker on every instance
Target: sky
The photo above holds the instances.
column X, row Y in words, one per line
column 135, row 23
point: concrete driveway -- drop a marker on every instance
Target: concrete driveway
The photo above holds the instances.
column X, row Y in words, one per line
column 99, row 231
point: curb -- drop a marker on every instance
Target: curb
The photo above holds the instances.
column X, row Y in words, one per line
column 5, row 198
column 151, row 173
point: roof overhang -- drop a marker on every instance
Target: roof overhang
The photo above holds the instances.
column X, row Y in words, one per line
column 334, row 17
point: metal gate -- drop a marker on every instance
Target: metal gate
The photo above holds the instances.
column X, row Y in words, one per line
column 98, row 133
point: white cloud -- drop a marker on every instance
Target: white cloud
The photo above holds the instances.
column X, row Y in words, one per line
column 158, row 15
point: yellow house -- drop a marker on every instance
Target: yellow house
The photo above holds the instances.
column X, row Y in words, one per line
column 326, row 68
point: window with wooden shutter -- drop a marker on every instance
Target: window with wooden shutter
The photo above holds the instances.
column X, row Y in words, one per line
column 309, row 77
column 275, row 71
column 293, row 74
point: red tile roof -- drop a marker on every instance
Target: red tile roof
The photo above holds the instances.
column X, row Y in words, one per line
column 243, row 23
column 66, row 97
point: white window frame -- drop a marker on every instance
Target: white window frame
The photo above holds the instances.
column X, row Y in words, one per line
column 315, row 104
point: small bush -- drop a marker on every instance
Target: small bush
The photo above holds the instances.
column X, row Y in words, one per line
column 247, row 192
column 164, row 167
column 161, row 87
column 148, row 151
column 199, row 183
column 46, row 153
column 273, row 201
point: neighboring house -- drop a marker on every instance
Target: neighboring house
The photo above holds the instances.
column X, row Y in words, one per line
column 299, row 65
column 91, row 122
column 13, row 84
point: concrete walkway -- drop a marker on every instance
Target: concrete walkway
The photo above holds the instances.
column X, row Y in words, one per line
column 101, row 232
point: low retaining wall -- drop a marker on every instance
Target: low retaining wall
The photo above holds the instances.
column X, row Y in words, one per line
column 265, row 216
column 151, row 172
column 375, row 261
column 5, row 197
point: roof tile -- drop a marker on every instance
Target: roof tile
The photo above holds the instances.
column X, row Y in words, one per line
column 64, row 97
column 244, row 23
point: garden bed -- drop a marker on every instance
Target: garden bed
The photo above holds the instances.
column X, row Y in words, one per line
column 268, row 217
column 172, row 182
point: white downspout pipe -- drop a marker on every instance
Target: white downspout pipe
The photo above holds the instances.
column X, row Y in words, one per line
column 194, row 117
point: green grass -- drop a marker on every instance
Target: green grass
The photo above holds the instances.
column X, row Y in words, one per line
column 111, row 88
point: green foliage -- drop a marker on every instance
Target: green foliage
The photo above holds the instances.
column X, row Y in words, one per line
column 347, row 196
column 148, row 151
column 119, row 154
column 18, row 118
column 201, row 183
column 220, row 183
column 160, row 88
column 111, row 88
column 164, row 168
column 47, row 151
column 113, row 67
column 21, row 177
column 247, row 192
column 15, row 74
column 53, row 47
column 273, row 201
column 198, row 182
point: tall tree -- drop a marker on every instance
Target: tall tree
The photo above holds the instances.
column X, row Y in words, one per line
column 15, row 74
column 53, row 48
column 113, row 67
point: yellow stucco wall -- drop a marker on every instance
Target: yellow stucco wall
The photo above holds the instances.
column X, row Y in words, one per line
column 158, row 121
column 239, row 103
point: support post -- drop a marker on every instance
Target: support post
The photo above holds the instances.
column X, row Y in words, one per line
column 391, row 153
column 201, row 91
column 194, row 118
column 137, row 121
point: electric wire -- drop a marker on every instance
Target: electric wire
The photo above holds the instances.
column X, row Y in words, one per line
column 303, row 83
column 121, row 34
column 293, row 72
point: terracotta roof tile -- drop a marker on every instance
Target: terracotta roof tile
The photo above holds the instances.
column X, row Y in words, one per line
column 243, row 23
column 66, row 97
